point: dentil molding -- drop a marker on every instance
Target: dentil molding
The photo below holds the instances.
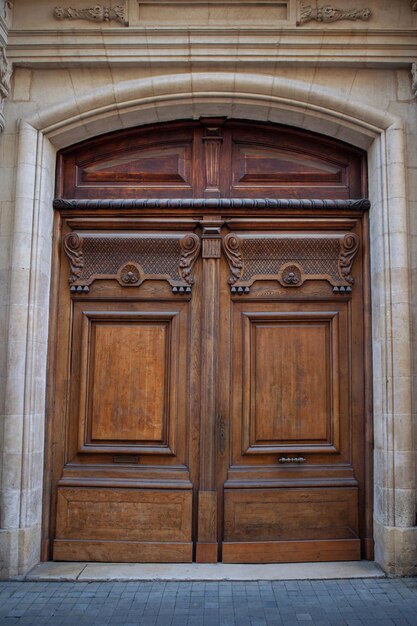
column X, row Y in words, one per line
column 95, row 13
column 5, row 76
column 328, row 14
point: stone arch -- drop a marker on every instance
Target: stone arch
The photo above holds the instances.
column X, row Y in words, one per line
column 180, row 96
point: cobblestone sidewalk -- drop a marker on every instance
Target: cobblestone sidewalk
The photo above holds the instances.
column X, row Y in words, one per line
column 376, row 602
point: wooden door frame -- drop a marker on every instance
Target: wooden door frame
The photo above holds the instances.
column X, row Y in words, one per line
column 215, row 211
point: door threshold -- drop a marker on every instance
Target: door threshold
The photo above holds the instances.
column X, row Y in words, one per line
column 95, row 572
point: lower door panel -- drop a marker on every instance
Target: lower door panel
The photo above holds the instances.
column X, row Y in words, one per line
column 278, row 525
column 123, row 525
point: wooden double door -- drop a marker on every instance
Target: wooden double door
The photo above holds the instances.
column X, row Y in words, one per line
column 208, row 359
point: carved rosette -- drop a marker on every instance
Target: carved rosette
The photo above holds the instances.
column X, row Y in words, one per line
column 73, row 247
column 232, row 250
column 95, row 13
column 130, row 275
column 328, row 14
column 349, row 246
column 190, row 247
column 291, row 275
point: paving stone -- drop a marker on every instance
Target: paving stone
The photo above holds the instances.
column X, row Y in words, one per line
column 356, row 602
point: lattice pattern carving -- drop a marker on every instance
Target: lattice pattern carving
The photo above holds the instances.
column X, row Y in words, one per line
column 291, row 259
column 131, row 259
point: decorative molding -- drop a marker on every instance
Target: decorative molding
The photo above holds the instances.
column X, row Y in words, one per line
column 96, row 13
column 190, row 247
column 232, row 250
column 211, row 237
column 328, row 14
column 131, row 259
column 63, row 204
column 5, row 78
column 290, row 259
column 212, row 141
column 349, row 246
column 414, row 78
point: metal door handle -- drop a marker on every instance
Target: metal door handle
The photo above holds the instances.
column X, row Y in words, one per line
column 291, row 459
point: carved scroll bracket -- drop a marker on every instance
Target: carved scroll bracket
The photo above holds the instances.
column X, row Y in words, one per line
column 73, row 247
column 232, row 250
column 414, row 78
column 190, row 247
column 5, row 79
column 328, row 14
column 95, row 13
column 6, row 10
column 349, row 246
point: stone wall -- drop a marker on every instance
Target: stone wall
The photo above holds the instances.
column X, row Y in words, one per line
column 76, row 78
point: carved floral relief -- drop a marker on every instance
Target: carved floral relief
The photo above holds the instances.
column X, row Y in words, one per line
column 6, row 8
column 327, row 14
column 5, row 78
column 95, row 13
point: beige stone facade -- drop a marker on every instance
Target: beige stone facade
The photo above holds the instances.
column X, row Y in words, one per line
column 345, row 73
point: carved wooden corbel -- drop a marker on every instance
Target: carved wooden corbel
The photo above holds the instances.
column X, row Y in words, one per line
column 328, row 14
column 95, row 13
column 190, row 247
column 73, row 247
column 232, row 250
column 349, row 246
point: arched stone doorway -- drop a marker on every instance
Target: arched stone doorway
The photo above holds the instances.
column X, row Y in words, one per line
column 249, row 96
column 211, row 363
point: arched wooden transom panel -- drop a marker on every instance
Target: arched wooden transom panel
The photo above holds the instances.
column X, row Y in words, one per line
column 211, row 158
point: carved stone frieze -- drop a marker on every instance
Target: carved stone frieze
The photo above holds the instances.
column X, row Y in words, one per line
column 6, row 9
column 131, row 259
column 95, row 13
column 5, row 78
column 328, row 14
column 290, row 259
